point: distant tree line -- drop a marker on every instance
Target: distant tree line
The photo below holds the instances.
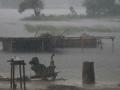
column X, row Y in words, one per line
column 102, row 7
column 93, row 7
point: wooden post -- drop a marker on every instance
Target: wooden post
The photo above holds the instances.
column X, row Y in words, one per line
column 112, row 44
column 88, row 74
column 11, row 83
column 20, row 76
column 101, row 45
column 98, row 42
column 11, row 47
column 82, row 43
column 13, row 76
column 24, row 77
column 42, row 41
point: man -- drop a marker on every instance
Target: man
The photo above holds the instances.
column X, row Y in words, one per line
column 37, row 67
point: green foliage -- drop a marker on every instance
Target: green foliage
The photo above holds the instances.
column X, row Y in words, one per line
column 101, row 7
column 65, row 30
column 31, row 28
column 36, row 5
column 53, row 18
column 41, row 29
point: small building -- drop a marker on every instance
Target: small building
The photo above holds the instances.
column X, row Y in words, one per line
column 26, row 44
column 37, row 44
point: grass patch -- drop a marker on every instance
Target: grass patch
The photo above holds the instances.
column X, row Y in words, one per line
column 66, row 17
column 65, row 30
column 53, row 17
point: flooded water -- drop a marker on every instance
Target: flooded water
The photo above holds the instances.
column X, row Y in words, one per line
column 68, row 61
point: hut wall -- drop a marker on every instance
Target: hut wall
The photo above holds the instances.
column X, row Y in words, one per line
column 7, row 45
column 79, row 42
column 46, row 44
column 88, row 43
column 71, row 43
column 27, row 45
column 31, row 45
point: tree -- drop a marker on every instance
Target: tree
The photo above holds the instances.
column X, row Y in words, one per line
column 101, row 7
column 72, row 10
column 36, row 5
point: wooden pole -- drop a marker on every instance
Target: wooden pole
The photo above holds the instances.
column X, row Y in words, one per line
column 24, row 77
column 11, row 47
column 42, row 41
column 14, row 76
column 82, row 43
column 20, row 76
column 112, row 44
column 88, row 74
column 98, row 42
column 101, row 45
column 11, row 80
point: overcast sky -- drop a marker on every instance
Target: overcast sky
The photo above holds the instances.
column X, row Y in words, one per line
column 47, row 3
column 62, row 3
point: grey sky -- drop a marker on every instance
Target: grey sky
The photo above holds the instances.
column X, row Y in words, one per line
column 47, row 3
